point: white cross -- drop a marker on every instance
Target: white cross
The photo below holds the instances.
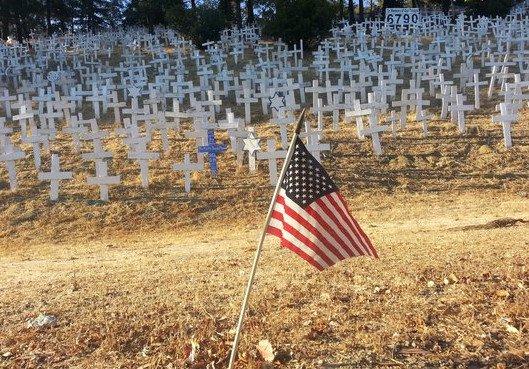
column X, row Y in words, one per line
column 272, row 155
column 374, row 131
column 187, row 167
column 493, row 78
column 393, row 120
column 95, row 136
column 315, row 90
column 61, row 103
column 54, row 176
column 96, row 99
column 76, row 130
column 4, row 132
column 446, row 100
column 247, row 100
column 359, row 113
column 283, row 121
column 476, row 85
column 47, row 120
column 404, row 103
column 9, row 154
column 313, row 145
column 459, row 108
column 116, row 105
column 6, row 101
column 423, row 118
column 442, row 83
column 35, row 138
column 506, row 118
column 102, row 179
column 176, row 114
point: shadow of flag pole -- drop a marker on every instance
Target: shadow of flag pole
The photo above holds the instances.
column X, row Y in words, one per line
column 261, row 241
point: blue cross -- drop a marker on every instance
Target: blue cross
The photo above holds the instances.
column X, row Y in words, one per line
column 212, row 150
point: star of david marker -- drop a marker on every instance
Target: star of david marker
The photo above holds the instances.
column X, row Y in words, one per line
column 134, row 92
column 53, row 76
column 251, row 144
column 277, row 101
column 212, row 150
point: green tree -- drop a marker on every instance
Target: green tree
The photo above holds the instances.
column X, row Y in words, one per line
column 293, row 20
column 151, row 13
column 201, row 24
column 19, row 17
column 490, row 8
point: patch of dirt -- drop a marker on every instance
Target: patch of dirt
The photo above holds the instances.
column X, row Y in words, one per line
column 498, row 223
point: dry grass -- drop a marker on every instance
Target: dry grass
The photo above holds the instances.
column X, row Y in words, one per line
column 141, row 280
column 142, row 300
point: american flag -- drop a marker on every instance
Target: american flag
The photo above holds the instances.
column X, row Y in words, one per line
column 311, row 217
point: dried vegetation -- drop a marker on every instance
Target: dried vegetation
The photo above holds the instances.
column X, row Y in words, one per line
column 154, row 278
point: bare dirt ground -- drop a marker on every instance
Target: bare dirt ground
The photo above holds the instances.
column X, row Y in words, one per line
column 439, row 296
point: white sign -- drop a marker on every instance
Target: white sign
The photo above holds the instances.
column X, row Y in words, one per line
column 402, row 16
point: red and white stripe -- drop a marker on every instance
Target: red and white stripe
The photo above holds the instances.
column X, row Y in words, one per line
column 322, row 233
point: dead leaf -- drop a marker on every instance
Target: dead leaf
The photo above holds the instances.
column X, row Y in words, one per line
column 502, row 293
column 414, row 351
column 266, row 350
column 361, row 298
column 450, row 311
column 512, row 329
column 390, row 362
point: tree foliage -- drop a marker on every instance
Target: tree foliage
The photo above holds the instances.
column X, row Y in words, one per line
column 300, row 19
column 202, row 20
column 201, row 24
column 491, row 8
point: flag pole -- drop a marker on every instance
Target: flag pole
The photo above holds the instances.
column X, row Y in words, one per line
column 290, row 152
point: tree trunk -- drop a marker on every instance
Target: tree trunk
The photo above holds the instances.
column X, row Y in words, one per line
column 341, row 9
column 225, row 7
column 251, row 16
column 91, row 16
column 351, row 9
column 64, row 26
column 193, row 4
column 20, row 38
column 236, row 11
column 446, row 6
column 361, row 11
column 5, row 26
column 25, row 31
column 48, row 17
